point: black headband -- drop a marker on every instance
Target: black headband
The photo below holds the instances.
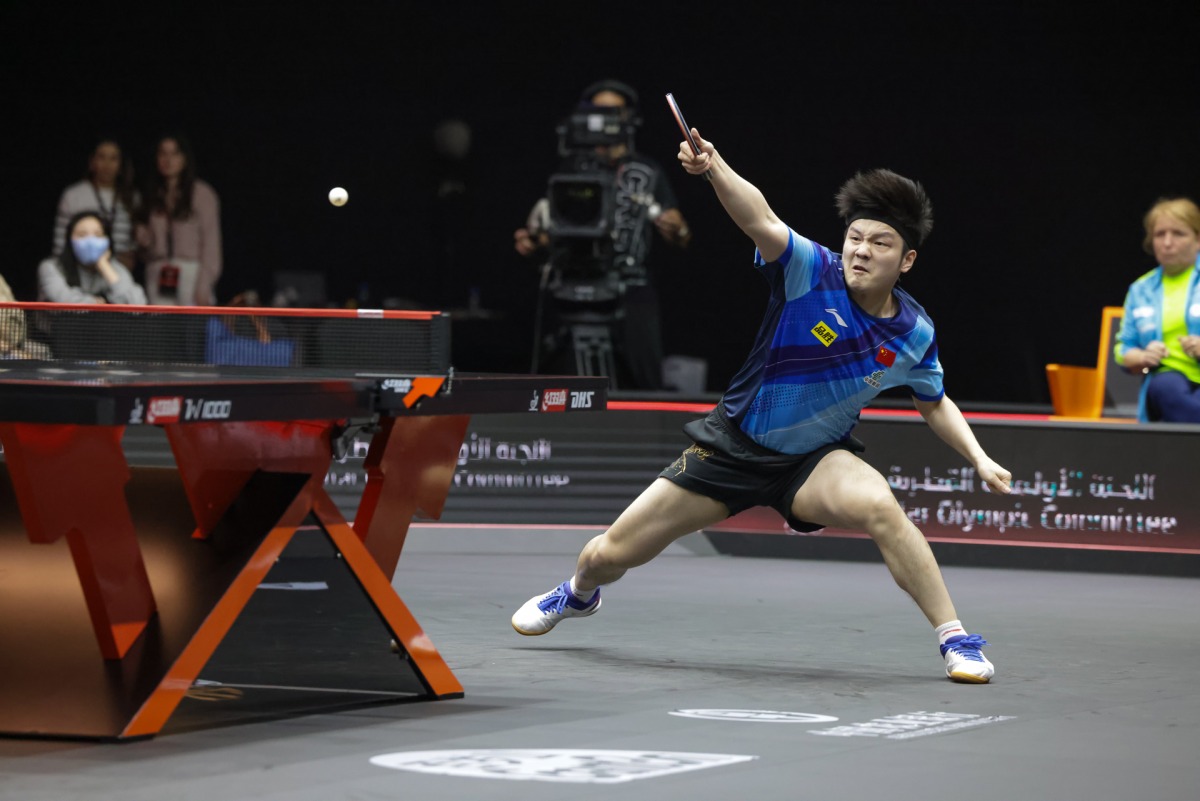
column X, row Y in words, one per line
column 909, row 234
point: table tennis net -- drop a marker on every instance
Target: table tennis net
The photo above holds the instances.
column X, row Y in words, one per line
column 288, row 339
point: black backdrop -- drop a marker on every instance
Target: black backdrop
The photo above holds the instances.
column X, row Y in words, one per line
column 1042, row 135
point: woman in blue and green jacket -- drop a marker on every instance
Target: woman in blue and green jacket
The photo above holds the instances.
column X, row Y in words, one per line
column 1160, row 330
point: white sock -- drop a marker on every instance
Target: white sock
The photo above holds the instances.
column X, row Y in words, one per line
column 947, row 630
column 585, row 597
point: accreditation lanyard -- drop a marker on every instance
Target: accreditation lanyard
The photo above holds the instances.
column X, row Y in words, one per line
column 109, row 213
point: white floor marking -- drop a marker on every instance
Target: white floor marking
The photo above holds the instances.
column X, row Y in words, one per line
column 579, row 766
column 753, row 715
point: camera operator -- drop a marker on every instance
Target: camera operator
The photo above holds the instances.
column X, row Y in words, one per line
column 593, row 233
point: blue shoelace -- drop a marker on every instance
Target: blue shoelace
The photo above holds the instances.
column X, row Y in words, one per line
column 557, row 601
column 967, row 647
column 554, row 602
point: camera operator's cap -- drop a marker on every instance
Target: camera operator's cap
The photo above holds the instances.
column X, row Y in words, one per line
column 609, row 85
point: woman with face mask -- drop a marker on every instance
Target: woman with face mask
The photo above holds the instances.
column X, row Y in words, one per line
column 108, row 189
column 85, row 271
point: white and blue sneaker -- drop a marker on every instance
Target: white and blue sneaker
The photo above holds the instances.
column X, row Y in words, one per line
column 965, row 662
column 542, row 613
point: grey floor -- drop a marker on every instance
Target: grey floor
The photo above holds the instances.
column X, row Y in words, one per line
column 1094, row 698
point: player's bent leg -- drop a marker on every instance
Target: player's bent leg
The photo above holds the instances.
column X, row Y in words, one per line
column 845, row 492
column 662, row 514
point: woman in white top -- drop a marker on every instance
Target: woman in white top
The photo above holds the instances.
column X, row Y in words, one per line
column 108, row 189
column 85, row 271
column 180, row 233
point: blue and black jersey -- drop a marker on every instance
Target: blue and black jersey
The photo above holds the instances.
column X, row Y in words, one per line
column 819, row 359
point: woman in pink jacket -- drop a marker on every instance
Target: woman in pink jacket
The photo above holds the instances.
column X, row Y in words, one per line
column 180, row 230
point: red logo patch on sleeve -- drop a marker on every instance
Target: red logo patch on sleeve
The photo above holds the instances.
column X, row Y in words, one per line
column 886, row 357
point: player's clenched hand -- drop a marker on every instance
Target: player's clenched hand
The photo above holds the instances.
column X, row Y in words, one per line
column 996, row 477
column 693, row 163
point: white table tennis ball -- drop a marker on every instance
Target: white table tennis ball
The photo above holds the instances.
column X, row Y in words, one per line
column 338, row 196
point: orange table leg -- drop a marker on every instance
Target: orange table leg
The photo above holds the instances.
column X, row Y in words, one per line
column 430, row 667
column 409, row 467
column 70, row 481
column 153, row 714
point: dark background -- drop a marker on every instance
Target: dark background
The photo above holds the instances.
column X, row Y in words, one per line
column 1042, row 135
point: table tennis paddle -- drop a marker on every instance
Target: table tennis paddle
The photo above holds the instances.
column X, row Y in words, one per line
column 687, row 132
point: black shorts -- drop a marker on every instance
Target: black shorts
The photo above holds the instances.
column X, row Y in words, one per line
column 726, row 465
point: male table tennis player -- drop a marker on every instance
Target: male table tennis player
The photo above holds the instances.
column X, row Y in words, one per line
column 837, row 331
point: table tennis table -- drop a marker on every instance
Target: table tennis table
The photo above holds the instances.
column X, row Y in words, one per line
column 253, row 438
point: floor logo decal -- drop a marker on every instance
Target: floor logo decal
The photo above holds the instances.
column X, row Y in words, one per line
column 912, row 724
column 753, row 715
column 582, row 766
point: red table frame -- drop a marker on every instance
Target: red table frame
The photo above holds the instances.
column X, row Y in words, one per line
column 70, row 482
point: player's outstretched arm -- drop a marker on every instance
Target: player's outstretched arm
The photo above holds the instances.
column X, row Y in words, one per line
column 944, row 417
column 741, row 199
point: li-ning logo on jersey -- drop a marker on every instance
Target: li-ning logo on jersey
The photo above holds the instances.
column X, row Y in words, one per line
column 824, row 333
column 838, row 317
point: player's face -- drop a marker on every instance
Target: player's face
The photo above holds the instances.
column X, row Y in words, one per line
column 170, row 159
column 872, row 257
column 105, row 163
column 1175, row 244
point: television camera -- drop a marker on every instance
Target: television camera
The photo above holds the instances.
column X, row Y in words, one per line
column 596, row 211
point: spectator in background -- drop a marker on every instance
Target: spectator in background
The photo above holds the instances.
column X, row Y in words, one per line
column 85, row 271
column 108, row 189
column 179, row 231
column 614, row 261
column 1160, row 329
column 14, row 339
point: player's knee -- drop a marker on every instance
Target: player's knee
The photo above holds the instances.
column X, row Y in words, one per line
column 602, row 554
column 882, row 515
column 609, row 553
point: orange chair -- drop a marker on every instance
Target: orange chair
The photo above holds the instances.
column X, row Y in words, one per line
column 1105, row 390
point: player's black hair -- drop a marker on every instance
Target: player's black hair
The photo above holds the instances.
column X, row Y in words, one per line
column 889, row 198
column 66, row 260
column 609, row 85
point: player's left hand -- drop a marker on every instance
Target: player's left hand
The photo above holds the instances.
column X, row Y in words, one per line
column 995, row 476
column 1190, row 345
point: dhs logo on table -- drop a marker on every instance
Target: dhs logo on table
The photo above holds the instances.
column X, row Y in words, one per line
column 582, row 400
column 554, row 400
